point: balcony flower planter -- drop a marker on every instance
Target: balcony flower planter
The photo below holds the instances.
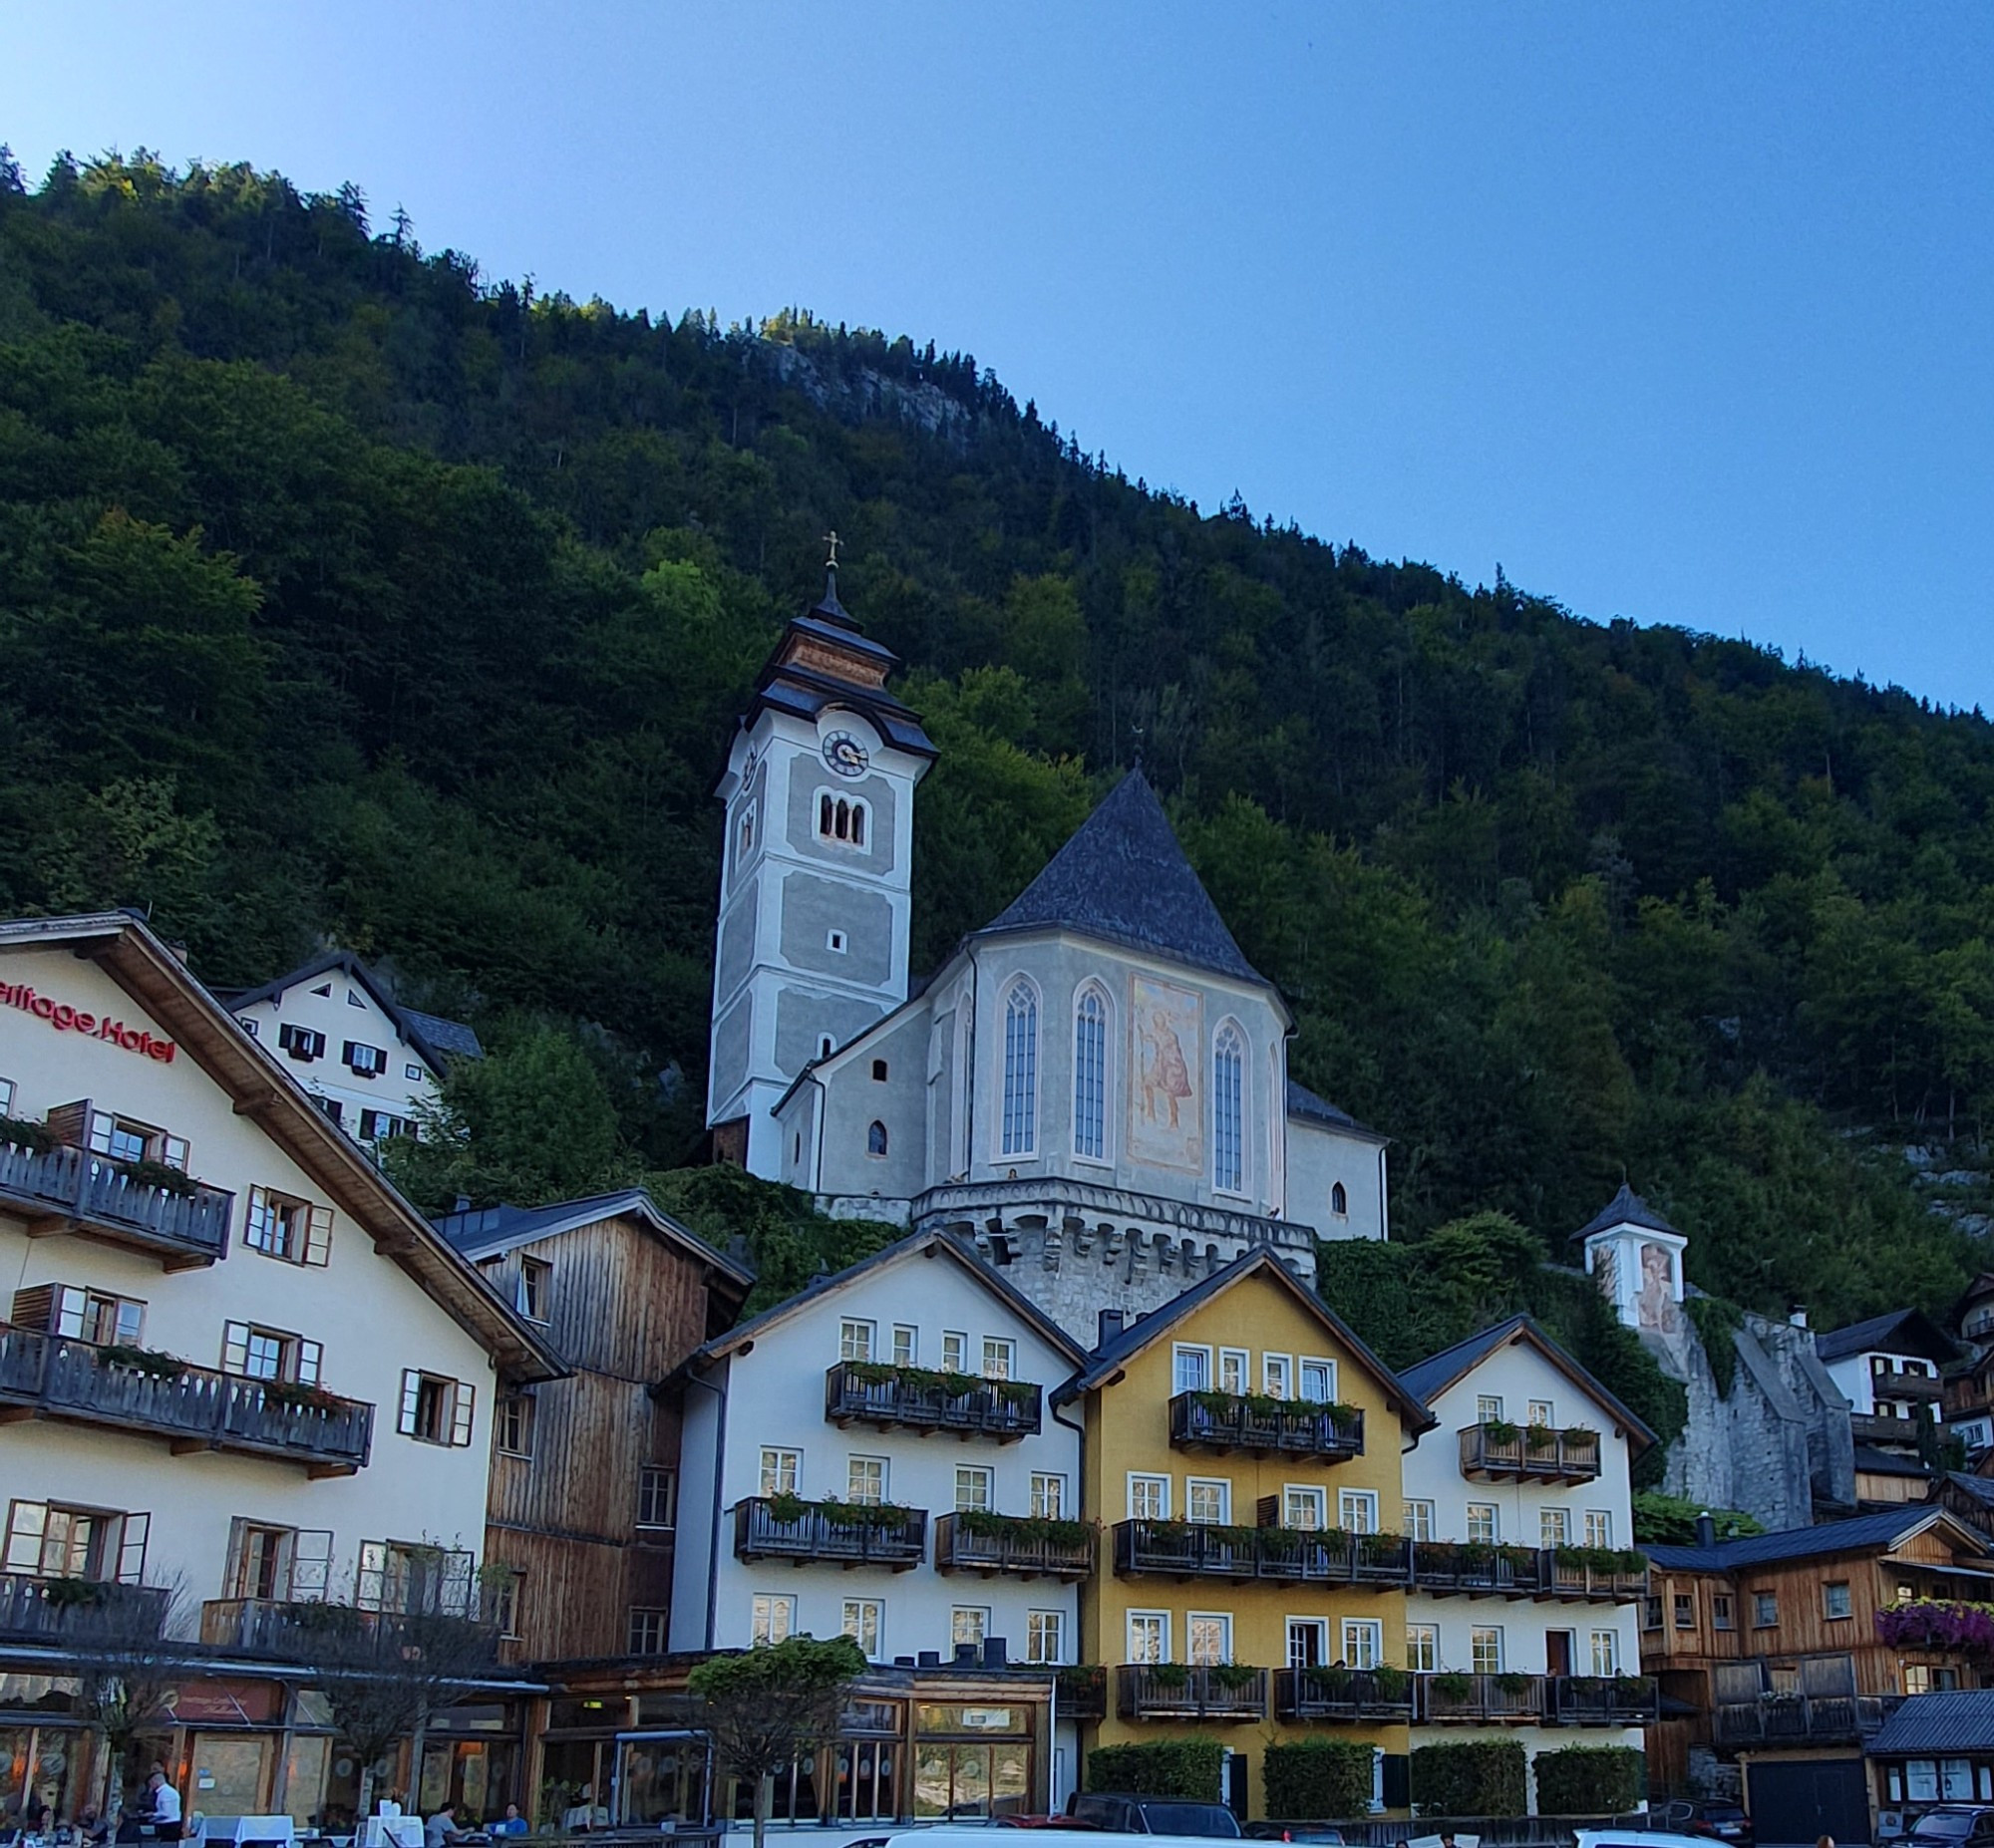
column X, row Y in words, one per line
column 920, row 1398
column 1221, row 1421
column 975, row 1540
column 834, row 1532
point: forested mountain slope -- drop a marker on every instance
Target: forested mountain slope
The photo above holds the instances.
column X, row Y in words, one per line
column 343, row 592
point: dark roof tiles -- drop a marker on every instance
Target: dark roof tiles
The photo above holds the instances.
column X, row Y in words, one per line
column 1930, row 1724
column 1626, row 1208
column 1901, row 1331
column 1883, row 1530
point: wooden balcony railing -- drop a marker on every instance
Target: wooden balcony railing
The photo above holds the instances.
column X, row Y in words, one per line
column 1476, row 1569
column 72, row 1190
column 1604, row 1701
column 1801, row 1719
column 1230, row 1421
column 1922, row 1388
column 839, row 1533
column 1880, row 1428
column 1584, row 1573
column 1348, row 1696
column 78, row 1611
column 1082, row 1691
column 1517, row 1699
column 913, row 1399
column 1026, row 1548
column 298, row 1632
column 1174, row 1691
column 192, row 1408
column 1528, row 1453
column 1285, row 1555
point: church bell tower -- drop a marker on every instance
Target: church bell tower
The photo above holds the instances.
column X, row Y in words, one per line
column 811, row 942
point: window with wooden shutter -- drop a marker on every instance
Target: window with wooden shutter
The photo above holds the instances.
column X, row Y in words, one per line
column 27, row 1522
column 138, row 1530
column 236, row 1346
column 412, row 1396
column 311, row 1357
column 311, row 1564
column 232, row 1567
column 35, row 1308
column 318, row 1236
column 88, row 1315
column 460, row 1414
column 174, row 1151
column 68, row 1123
column 6, row 1097
column 370, row 1580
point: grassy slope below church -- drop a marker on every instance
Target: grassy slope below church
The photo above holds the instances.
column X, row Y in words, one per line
column 342, row 592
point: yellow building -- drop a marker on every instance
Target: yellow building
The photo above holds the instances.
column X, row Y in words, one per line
column 1241, row 1452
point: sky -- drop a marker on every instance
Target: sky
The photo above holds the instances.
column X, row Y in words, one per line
column 1681, row 314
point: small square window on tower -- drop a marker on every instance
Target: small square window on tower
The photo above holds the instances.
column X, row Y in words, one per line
column 835, row 942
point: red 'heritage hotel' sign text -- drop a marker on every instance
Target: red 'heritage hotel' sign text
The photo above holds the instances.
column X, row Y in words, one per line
column 66, row 1018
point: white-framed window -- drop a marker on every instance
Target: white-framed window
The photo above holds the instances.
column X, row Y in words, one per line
column 649, row 1627
column 826, row 1046
column 906, row 1345
column 1229, row 1110
column 1090, row 1074
column 973, row 1488
column 7, row 1084
column 1209, row 1634
column 1356, row 1510
column 1278, row 1375
column 305, row 1044
column 1599, row 1527
column 1318, row 1380
column 1484, row 1649
column 1047, row 1496
column 361, row 1059
column 854, row 1338
column 781, row 1470
column 1149, row 1636
column 1539, row 1413
column 280, row 1225
column 1482, row 1522
column 1488, row 1408
column 536, row 1280
column 79, row 1313
column 1045, row 1636
column 774, row 1617
column 1836, row 1600
column 1418, row 1520
column 865, row 1480
column 1363, row 1643
column 435, row 1410
column 1019, row 1126
column 1304, row 1505
column 1308, row 1641
column 56, row 1540
column 1423, row 1648
column 865, row 1622
column 252, row 1352
column 844, row 820
column 1148, row 1498
column 1000, row 1357
column 412, row 1071
column 969, row 1623
column 1208, row 1501
column 1553, row 1526
column 1235, row 1371
column 276, row 1564
column 657, row 1496
column 834, row 941
column 954, row 1352
column 514, row 1421
column 1605, row 1652
column 1191, row 1369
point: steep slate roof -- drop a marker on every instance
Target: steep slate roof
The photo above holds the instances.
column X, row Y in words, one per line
column 1626, row 1208
column 1979, row 1487
column 1109, row 1358
column 1931, row 1723
column 1871, row 1461
column 1305, row 1106
column 493, row 1229
column 437, row 1038
column 1891, row 1528
column 1438, row 1372
column 1122, row 878
column 1902, row 1330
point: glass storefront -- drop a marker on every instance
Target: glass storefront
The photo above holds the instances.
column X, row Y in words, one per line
column 661, row 1781
column 229, row 1773
column 972, row 1762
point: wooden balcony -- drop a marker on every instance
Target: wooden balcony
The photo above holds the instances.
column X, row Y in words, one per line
column 1080, row 1691
column 79, row 1612
column 1345, row 1697
column 1879, row 1427
column 192, row 1408
column 69, row 1190
column 1480, row 1699
column 1575, row 1581
column 1172, row 1691
column 1226, row 1421
column 912, row 1398
column 1022, row 1548
column 1920, row 1388
column 1528, row 1454
column 831, row 1533
column 1284, row 1555
column 1475, row 1569
column 298, row 1632
column 1604, row 1701
column 1801, row 1720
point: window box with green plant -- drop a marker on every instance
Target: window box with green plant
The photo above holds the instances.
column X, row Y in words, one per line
column 1343, row 1695
column 146, row 1206
column 976, row 1540
column 1478, row 1568
column 1230, row 1691
column 1323, row 1430
column 919, row 1398
column 845, row 1532
column 1496, row 1450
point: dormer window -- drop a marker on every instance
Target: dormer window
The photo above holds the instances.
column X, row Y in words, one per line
column 842, row 818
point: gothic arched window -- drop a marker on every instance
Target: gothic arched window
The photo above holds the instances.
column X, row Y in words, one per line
column 876, row 1139
column 1021, row 1072
column 1090, row 1076
column 1339, row 1201
column 1229, row 1110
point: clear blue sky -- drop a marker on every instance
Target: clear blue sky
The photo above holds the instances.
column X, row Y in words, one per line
column 1679, row 313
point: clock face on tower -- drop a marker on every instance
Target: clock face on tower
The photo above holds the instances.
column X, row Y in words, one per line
column 846, row 755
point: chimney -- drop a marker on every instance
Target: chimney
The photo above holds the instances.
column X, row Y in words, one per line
column 930, row 1658
column 1108, row 1328
column 996, row 1653
column 463, row 1203
column 965, row 1656
column 1705, row 1529
column 1797, row 1317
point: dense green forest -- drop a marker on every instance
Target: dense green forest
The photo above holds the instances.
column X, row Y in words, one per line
column 347, row 594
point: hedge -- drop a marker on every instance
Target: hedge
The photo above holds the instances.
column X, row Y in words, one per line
column 1478, row 1777
column 1589, row 1780
column 1166, row 1768
column 1318, row 1779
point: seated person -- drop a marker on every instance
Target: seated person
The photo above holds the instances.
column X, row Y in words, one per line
column 512, row 1823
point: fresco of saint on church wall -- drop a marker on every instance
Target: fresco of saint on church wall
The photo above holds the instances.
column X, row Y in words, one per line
column 1167, row 1100
column 1656, row 1304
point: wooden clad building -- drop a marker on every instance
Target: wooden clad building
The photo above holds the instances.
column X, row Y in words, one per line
column 583, row 1493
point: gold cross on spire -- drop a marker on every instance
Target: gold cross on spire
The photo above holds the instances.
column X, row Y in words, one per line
column 831, row 539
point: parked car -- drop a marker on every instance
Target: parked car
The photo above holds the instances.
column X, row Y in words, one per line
column 1727, row 1823
column 1956, row 1825
column 1633, row 1835
column 1129, row 1815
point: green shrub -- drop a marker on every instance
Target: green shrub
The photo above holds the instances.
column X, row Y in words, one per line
column 1318, row 1779
column 1589, row 1780
column 1163, row 1767
column 1476, row 1777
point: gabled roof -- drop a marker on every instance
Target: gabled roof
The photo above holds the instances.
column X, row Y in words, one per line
column 128, row 952
column 1871, row 1461
column 1902, row 1330
column 435, row 1037
column 1306, row 1106
column 1124, row 878
column 922, row 1244
column 1977, row 1488
column 1881, row 1532
column 492, row 1230
column 1931, row 1725
column 1626, row 1208
column 1433, row 1375
column 1111, row 1357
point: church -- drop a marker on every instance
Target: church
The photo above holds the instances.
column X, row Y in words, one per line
column 1093, row 1089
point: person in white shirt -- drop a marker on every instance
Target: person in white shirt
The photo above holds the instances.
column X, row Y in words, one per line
column 163, row 1810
